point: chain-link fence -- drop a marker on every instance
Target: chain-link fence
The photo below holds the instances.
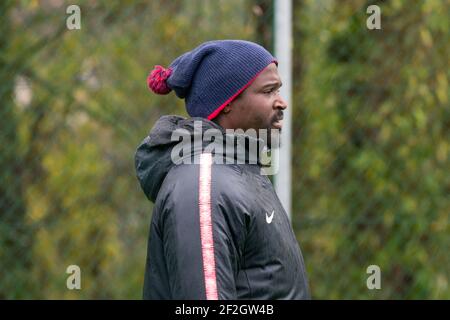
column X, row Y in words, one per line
column 371, row 128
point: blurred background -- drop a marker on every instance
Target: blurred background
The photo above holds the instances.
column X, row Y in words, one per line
column 371, row 147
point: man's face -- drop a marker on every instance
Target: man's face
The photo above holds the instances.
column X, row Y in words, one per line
column 260, row 105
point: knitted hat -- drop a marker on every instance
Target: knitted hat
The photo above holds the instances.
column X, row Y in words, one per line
column 210, row 76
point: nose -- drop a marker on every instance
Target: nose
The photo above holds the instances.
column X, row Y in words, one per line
column 280, row 103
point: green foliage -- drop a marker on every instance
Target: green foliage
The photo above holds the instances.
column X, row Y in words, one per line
column 76, row 199
column 372, row 168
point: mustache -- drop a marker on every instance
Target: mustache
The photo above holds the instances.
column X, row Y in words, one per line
column 278, row 116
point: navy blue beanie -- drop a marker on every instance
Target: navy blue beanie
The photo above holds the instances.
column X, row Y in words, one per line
column 210, row 76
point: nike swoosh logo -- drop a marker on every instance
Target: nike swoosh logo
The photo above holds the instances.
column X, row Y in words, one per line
column 269, row 218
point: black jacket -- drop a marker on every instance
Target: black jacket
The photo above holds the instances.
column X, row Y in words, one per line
column 218, row 231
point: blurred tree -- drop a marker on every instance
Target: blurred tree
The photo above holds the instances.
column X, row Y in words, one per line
column 15, row 234
column 373, row 160
column 90, row 109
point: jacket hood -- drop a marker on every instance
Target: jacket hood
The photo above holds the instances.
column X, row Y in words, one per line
column 153, row 159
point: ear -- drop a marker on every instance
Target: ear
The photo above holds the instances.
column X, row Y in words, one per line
column 227, row 109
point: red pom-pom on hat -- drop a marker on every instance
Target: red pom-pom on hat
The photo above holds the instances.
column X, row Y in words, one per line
column 156, row 80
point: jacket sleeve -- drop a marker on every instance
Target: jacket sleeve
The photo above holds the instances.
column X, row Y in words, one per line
column 203, row 232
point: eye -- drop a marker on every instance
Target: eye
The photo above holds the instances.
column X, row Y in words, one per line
column 272, row 91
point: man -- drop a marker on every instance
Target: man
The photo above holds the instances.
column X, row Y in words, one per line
column 218, row 229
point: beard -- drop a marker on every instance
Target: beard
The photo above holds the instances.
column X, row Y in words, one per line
column 271, row 138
